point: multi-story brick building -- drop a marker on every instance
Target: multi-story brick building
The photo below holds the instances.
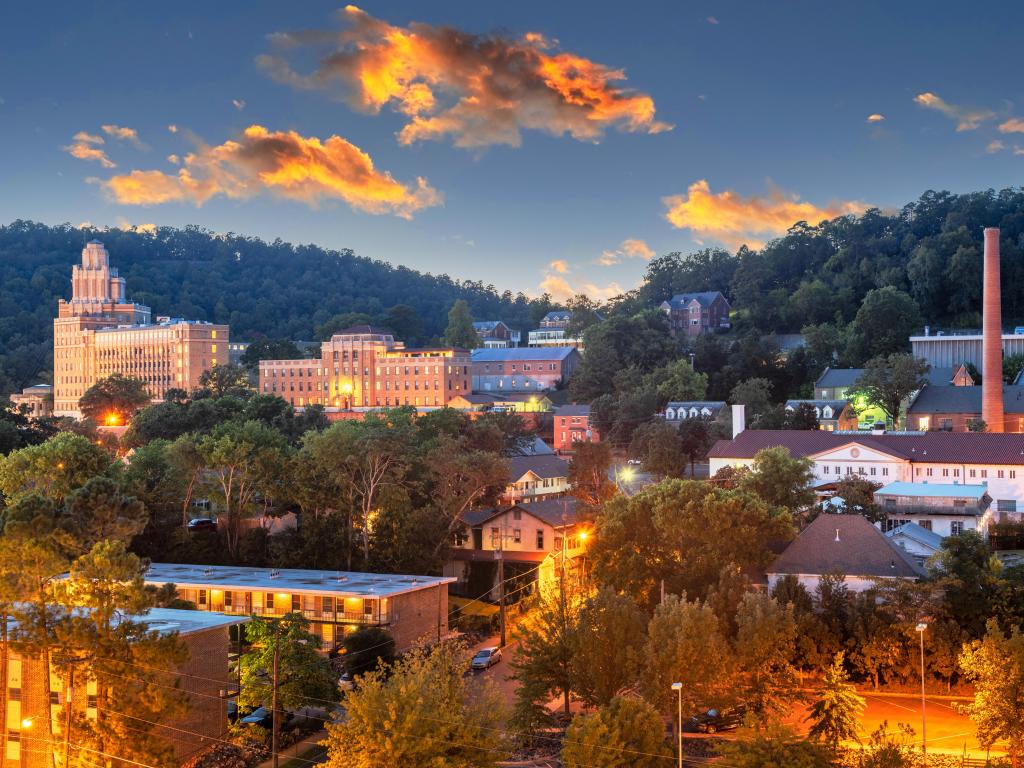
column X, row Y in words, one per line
column 525, row 369
column 204, row 677
column 695, row 313
column 572, row 425
column 362, row 367
column 336, row 603
column 98, row 333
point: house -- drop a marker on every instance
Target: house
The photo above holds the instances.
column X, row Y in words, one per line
column 695, row 313
column 37, row 401
column 337, row 603
column 573, row 425
column 552, row 331
column 846, row 544
column 954, row 409
column 976, row 458
column 205, row 677
column 832, row 414
column 523, row 536
column 942, row 508
column 680, row 410
column 916, row 541
column 534, row 477
column 496, row 334
column 524, row 369
column 502, row 402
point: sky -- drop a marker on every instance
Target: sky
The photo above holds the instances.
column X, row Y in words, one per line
column 530, row 145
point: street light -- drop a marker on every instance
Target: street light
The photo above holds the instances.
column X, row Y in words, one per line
column 678, row 688
column 921, row 627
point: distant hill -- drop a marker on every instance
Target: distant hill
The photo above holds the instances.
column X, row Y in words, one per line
column 273, row 290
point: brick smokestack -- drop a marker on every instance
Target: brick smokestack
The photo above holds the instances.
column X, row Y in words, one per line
column 992, row 337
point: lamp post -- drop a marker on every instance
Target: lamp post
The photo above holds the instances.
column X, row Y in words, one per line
column 678, row 688
column 921, row 627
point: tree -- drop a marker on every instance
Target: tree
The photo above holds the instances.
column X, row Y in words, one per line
column 305, row 678
column 607, row 647
column 995, row 664
column 686, row 644
column 835, row 712
column 777, row 745
column 858, row 495
column 269, row 349
column 887, row 382
column 544, row 664
column 99, row 510
column 755, row 394
column 968, row 573
column 404, row 321
column 765, row 648
column 584, row 315
column 1012, row 366
column 368, row 649
column 781, row 480
column 678, row 381
column 681, row 532
column 696, row 436
column 460, row 331
column 658, row 445
column 226, row 380
column 418, row 714
column 114, row 400
column 887, row 318
column 52, row 469
column 588, row 473
column 624, row 732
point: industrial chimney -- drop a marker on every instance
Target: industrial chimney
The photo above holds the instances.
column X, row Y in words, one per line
column 992, row 337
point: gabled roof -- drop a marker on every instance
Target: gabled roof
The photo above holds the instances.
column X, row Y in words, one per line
column 704, row 298
column 535, row 448
column 837, row 406
column 554, row 512
column 936, row 447
column 557, row 316
column 847, row 544
column 950, row 399
column 847, row 377
column 916, row 533
column 487, row 325
column 933, row 490
column 518, row 354
column 544, row 465
column 573, row 410
column 709, row 404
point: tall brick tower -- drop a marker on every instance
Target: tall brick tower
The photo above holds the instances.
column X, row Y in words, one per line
column 992, row 337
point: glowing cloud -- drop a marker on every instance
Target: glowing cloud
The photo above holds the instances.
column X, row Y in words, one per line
column 172, row 128
column 284, row 163
column 561, row 289
column 238, row 104
column 173, row 159
column 735, row 220
column 995, row 146
column 86, row 146
column 122, row 133
column 479, row 90
column 1013, row 125
column 630, row 248
column 560, row 266
column 967, row 118
column 876, row 118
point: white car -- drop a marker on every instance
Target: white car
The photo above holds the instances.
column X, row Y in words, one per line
column 486, row 658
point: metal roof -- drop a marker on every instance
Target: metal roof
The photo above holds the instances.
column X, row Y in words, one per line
column 917, row 533
column 933, row 490
column 573, row 410
column 950, row 399
column 517, row 354
column 543, row 465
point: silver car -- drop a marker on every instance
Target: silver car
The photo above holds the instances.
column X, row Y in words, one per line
column 486, row 658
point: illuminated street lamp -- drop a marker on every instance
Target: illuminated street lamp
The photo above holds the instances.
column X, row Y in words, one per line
column 113, row 419
column 678, row 688
column 921, row 627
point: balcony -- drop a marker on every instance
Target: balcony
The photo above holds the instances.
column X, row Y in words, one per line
column 967, row 510
column 339, row 617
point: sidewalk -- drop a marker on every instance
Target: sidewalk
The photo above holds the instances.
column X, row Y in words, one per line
column 296, row 749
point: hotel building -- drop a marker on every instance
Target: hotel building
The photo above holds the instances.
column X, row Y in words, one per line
column 336, row 603
column 99, row 333
column 364, row 367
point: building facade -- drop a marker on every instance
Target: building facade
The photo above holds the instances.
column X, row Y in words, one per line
column 365, row 367
column 337, row 603
column 692, row 314
column 572, row 425
column 831, row 414
column 958, row 409
column 99, row 333
column 524, row 369
column 535, row 477
column 679, row 410
column 496, row 334
column 551, row 331
column 37, row 400
column 958, row 347
column 942, row 508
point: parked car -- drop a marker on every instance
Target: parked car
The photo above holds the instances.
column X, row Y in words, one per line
column 202, row 525
column 262, row 717
column 346, row 682
column 486, row 658
column 715, row 720
column 634, row 462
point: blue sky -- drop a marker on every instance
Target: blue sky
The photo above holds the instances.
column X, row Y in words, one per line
column 769, row 102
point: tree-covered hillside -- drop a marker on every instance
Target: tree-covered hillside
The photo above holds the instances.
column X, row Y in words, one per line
column 273, row 290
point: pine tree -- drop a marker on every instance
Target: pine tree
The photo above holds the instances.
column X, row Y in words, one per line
column 835, row 713
column 626, row 732
column 460, row 331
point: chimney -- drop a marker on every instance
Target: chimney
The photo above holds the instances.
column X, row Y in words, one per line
column 739, row 419
column 992, row 337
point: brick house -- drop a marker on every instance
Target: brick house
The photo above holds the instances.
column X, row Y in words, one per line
column 952, row 409
column 572, row 425
column 525, row 369
column 692, row 314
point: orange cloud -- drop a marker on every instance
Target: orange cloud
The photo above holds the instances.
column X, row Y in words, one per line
column 995, row 146
column 478, row 90
column 631, row 248
column 284, row 163
column 559, row 265
column 123, row 134
column 967, row 118
column 735, row 220
column 86, row 146
column 561, row 289
column 876, row 118
column 1013, row 125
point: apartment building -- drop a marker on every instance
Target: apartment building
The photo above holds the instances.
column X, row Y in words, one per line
column 363, row 367
column 525, row 369
column 692, row 314
column 99, row 333
column 572, row 424
column 337, row 603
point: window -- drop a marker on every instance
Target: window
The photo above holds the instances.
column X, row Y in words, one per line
column 973, row 472
column 228, row 598
column 14, row 736
column 984, row 473
column 517, row 514
column 890, row 524
column 928, row 471
column 54, row 698
column 1013, row 474
column 296, row 602
column 926, row 524
column 945, row 472
column 202, row 597
column 873, row 470
column 495, row 537
column 517, row 535
column 269, row 602
column 540, row 539
column 367, row 607
column 91, row 701
column 1006, row 505
column 327, row 604
column 14, row 694
column 885, row 471
column 826, row 469
column 956, row 527
column 999, row 474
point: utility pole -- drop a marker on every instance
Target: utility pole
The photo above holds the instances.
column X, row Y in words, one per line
column 561, row 594
column 67, row 724
column 501, row 590
column 275, row 720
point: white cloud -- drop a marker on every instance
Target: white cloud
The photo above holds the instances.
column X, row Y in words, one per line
column 876, row 117
column 238, row 104
column 967, row 118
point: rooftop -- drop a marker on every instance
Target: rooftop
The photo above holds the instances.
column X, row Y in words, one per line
column 847, row 377
column 933, row 447
column 837, row 406
column 516, row 354
column 554, row 512
column 704, row 298
column 544, row 465
column 847, row 544
column 933, row 490
column 948, row 399
column 915, row 532
column 168, row 323
column 573, row 410
column 291, row 580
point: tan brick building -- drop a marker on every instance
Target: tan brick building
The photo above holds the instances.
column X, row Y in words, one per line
column 98, row 333
column 205, row 677
column 337, row 603
column 365, row 367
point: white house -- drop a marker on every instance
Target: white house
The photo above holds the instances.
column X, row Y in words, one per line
column 535, row 477
column 918, row 542
column 945, row 509
column 693, row 409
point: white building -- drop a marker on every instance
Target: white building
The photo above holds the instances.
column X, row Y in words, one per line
column 945, row 509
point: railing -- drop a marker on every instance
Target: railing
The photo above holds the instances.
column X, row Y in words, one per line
column 347, row 617
column 896, row 510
